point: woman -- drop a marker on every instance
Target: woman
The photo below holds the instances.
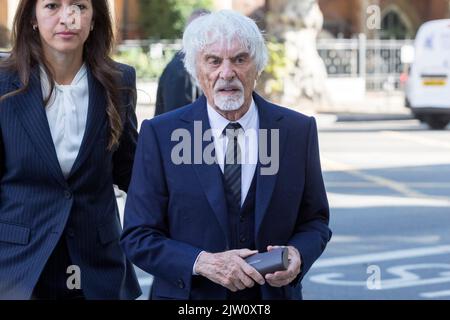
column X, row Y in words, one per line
column 67, row 134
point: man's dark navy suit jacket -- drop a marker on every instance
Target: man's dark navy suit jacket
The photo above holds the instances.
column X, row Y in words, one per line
column 174, row 211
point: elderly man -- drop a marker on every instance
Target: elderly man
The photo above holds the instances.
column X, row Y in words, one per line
column 205, row 194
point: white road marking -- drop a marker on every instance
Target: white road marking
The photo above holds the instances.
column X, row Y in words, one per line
column 364, row 184
column 382, row 256
column 417, row 139
column 383, row 182
column 404, row 277
column 436, row 294
column 425, row 239
column 339, row 200
column 398, row 187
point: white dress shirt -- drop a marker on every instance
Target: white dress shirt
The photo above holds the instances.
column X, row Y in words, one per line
column 247, row 142
column 67, row 115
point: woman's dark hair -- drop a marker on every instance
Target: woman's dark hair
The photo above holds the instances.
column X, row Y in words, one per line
column 27, row 52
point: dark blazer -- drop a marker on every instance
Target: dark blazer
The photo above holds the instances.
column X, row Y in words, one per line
column 173, row 212
column 38, row 205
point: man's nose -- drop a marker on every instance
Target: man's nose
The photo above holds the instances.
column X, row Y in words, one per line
column 227, row 72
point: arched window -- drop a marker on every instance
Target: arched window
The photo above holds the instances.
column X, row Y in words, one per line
column 393, row 26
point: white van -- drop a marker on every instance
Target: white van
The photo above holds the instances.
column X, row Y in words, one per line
column 428, row 84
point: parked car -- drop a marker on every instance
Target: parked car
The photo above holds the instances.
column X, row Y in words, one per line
column 428, row 84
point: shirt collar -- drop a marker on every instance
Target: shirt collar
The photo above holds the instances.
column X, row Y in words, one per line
column 80, row 76
column 218, row 122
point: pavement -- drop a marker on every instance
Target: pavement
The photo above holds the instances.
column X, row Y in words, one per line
column 373, row 106
column 146, row 111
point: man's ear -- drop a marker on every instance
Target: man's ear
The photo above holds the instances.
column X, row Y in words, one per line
column 256, row 80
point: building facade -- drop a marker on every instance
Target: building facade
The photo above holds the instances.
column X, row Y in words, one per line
column 399, row 19
column 126, row 13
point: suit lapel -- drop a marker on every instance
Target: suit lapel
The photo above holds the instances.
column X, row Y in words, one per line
column 269, row 119
column 95, row 120
column 31, row 112
column 209, row 176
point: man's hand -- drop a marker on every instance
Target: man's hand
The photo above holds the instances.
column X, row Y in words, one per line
column 283, row 278
column 229, row 269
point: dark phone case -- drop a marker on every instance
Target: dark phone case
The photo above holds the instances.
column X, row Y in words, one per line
column 269, row 262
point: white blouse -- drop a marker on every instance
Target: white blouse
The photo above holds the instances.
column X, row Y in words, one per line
column 67, row 114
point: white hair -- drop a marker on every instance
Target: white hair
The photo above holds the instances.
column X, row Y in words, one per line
column 226, row 26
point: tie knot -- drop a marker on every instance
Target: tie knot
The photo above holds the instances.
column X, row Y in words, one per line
column 233, row 127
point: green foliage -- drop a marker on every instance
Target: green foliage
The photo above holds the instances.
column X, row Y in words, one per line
column 147, row 68
column 276, row 69
column 157, row 18
column 185, row 8
column 165, row 19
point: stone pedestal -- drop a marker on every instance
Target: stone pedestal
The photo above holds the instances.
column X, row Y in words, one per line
column 297, row 23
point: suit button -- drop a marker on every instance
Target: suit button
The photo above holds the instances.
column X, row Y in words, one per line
column 70, row 233
column 243, row 239
column 180, row 284
column 241, row 219
column 67, row 194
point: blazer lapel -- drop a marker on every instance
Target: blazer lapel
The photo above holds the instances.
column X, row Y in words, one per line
column 31, row 112
column 269, row 119
column 95, row 120
column 209, row 175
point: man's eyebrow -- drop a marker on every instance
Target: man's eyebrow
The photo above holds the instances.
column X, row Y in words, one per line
column 211, row 56
column 241, row 55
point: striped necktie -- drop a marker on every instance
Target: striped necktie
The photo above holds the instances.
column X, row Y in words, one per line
column 232, row 167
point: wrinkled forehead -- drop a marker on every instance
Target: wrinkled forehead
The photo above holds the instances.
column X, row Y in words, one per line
column 221, row 46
